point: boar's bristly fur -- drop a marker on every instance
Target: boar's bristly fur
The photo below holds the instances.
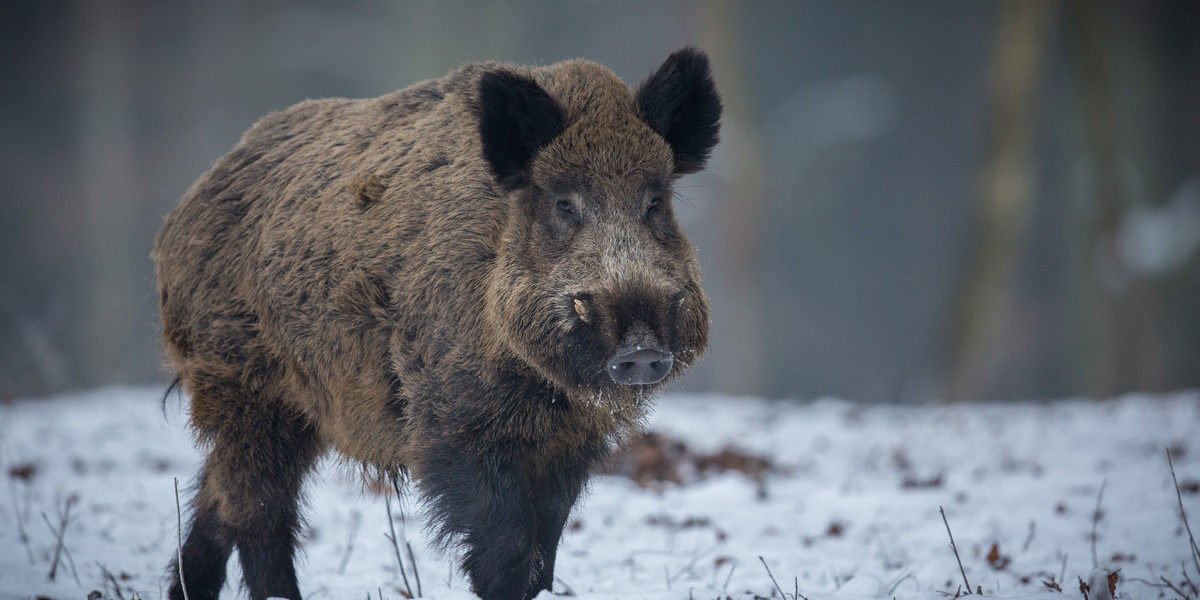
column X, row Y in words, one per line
column 478, row 282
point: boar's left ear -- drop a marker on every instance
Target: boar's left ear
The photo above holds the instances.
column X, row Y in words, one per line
column 680, row 102
column 516, row 118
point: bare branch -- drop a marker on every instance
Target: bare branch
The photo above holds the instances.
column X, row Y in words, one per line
column 60, row 550
column 567, row 591
column 955, row 549
column 387, row 503
column 782, row 594
column 21, row 517
column 1096, row 516
column 110, row 579
column 179, row 539
column 413, row 561
column 355, row 520
column 1183, row 514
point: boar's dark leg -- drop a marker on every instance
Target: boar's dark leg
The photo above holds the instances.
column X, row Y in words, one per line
column 270, row 471
column 481, row 499
column 260, row 453
column 205, row 553
column 553, row 499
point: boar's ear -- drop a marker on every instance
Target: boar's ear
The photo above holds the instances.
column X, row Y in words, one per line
column 680, row 102
column 516, row 118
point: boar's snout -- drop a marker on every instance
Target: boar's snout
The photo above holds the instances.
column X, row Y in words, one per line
column 640, row 359
column 640, row 365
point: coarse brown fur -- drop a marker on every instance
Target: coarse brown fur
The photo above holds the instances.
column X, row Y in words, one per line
column 435, row 281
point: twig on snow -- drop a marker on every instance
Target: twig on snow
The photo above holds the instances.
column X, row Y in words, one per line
column 387, row 503
column 1096, row 516
column 729, row 576
column 1183, row 514
column 179, row 539
column 413, row 561
column 567, row 591
column 955, row 549
column 403, row 522
column 905, row 577
column 1187, row 579
column 691, row 566
column 21, row 516
column 60, row 549
column 1173, row 588
column 355, row 521
column 109, row 578
column 782, row 594
column 1029, row 538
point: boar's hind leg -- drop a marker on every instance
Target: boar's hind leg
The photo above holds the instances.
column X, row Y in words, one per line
column 260, row 453
column 204, row 554
column 481, row 499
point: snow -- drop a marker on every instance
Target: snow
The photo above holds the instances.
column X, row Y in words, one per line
column 849, row 508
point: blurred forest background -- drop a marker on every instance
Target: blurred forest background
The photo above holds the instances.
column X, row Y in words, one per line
column 912, row 200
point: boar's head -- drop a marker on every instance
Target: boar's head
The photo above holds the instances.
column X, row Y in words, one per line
column 596, row 287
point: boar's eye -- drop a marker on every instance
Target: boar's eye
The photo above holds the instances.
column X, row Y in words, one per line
column 567, row 210
column 653, row 205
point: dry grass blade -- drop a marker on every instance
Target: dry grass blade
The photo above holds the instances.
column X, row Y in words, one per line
column 1096, row 516
column 954, row 547
column 412, row 560
column 567, row 591
column 179, row 539
column 355, row 521
column 1183, row 514
column 729, row 576
column 109, row 578
column 60, row 550
column 403, row 522
column 782, row 594
column 387, row 503
column 1167, row 583
column 21, row 517
column 1188, row 580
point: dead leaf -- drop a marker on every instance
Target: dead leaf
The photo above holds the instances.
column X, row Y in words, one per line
column 998, row 561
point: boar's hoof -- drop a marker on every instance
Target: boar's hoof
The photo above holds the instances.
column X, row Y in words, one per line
column 639, row 366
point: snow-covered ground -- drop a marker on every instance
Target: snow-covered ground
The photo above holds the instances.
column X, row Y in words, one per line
column 847, row 508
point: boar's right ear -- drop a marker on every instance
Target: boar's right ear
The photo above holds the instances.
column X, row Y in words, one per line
column 680, row 102
column 516, row 118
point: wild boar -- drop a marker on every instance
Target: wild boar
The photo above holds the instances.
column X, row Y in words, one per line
column 475, row 284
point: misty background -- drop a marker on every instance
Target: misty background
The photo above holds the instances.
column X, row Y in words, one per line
column 911, row 201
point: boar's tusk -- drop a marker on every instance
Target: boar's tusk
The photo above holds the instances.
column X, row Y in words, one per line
column 581, row 310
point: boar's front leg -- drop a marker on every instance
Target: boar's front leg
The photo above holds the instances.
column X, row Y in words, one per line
column 553, row 497
column 481, row 498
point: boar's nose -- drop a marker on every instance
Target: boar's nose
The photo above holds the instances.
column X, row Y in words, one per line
column 639, row 365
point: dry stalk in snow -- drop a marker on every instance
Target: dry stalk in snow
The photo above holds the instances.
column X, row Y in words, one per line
column 60, row 549
column 955, row 549
column 1096, row 516
column 355, row 520
column 179, row 536
column 795, row 595
column 403, row 524
column 1183, row 515
column 21, row 516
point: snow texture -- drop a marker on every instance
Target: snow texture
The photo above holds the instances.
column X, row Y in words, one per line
column 848, row 509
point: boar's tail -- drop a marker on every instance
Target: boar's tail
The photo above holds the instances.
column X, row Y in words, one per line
column 173, row 387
